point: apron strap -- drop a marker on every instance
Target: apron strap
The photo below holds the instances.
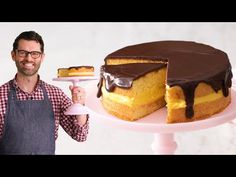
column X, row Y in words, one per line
column 12, row 92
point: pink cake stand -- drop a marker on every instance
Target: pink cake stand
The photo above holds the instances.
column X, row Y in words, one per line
column 163, row 142
column 76, row 108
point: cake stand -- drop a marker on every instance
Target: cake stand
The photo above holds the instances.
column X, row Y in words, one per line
column 76, row 108
column 163, row 142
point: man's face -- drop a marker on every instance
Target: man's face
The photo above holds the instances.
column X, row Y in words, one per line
column 27, row 63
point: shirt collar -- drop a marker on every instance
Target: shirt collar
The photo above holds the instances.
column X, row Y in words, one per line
column 38, row 85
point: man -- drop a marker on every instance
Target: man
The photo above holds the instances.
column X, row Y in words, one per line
column 30, row 109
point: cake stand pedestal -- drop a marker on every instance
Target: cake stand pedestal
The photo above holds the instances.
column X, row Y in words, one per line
column 76, row 108
column 163, row 142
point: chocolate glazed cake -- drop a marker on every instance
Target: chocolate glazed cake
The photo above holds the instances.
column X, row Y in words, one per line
column 197, row 78
column 75, row 71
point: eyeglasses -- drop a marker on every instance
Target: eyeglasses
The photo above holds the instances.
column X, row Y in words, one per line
column 33, row 54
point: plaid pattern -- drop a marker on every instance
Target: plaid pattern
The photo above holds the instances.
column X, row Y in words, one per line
column 60, row 103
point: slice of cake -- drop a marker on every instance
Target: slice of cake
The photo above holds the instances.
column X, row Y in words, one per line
column 131, row 91
column 76, row 71
column 197, row 80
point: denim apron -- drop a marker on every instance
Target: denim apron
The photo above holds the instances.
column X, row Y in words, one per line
column 29, row 126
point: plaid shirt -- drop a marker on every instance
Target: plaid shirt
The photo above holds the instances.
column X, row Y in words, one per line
column 60, row 103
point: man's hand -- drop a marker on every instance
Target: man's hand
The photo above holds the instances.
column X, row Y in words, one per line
column 78, row 94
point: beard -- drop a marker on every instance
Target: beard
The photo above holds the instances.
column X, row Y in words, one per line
column 26, row 71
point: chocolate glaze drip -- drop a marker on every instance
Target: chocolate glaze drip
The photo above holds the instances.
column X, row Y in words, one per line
column 189, row 63
column 77, row 67
column 124, row 75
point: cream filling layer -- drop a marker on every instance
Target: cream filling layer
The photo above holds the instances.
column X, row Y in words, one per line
column 153, row 95
column 137, row 100
column 84, row 73
column 178, row 103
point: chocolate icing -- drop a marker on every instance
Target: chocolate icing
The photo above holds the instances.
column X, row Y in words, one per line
column 189, row 63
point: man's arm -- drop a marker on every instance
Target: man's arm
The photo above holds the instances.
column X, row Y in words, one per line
column 75, row 125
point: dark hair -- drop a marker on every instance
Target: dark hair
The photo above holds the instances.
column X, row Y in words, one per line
column 29, row 35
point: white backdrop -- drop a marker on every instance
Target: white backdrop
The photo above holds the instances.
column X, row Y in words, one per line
column 71, row 44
